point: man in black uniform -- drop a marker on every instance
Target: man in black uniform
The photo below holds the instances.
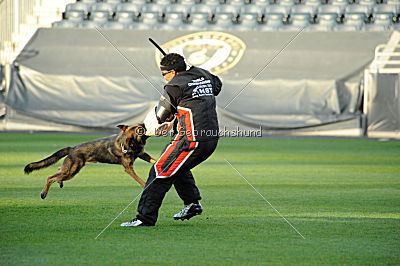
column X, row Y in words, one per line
column 189, row 96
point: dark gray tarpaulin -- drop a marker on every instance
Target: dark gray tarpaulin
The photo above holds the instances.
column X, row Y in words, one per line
column 89, row 78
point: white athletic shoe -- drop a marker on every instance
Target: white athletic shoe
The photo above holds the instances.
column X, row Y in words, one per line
column 189, row 211
column 134, row 222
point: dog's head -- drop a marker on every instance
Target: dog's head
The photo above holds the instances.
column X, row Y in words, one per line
column 132, row 137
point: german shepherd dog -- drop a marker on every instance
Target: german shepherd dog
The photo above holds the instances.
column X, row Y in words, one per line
column 122, row 148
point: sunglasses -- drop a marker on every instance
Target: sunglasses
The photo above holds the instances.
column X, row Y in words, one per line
column 166, row 73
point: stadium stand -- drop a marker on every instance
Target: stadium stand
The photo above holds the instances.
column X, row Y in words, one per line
column 79, row 6
column 330, row 9
column 233, row 9
column 174, row 21
column 273, row 22
column 223, row 21
column 125, row 17
column 260, row 3
column 198, row 21
column 342, row 3
column 248, row 22
column 187, row 2
column 208, row 9
column 75, row 15
column 183, row 9
column 104, row 7
column 286, row 2
column 211, row 2
column 278, row 10
column 253, row 9
column 298, row 21
column 314, row 3
column 148, row 20
column 154, row 8
column 381, row 22
column 129, row 7
column 352, row 22
column 325, row 22
column 240, row 15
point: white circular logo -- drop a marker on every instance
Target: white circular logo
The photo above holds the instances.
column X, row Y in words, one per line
column 210, row 50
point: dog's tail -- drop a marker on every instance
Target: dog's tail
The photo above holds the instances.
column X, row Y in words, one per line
column 48, row 161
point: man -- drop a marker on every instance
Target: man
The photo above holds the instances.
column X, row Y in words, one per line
column 189, row 97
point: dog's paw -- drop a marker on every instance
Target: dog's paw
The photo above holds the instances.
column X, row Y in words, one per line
column 43, row 195
column 61, row 184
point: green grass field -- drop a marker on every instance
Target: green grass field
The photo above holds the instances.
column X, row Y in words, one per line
column 343, row 196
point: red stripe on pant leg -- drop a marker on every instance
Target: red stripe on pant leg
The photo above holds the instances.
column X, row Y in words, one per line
column 181, row 158
column 165, row 155
column 188, row 123
column 175, row 164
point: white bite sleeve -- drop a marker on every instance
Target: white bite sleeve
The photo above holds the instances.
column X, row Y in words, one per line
column 151, row 122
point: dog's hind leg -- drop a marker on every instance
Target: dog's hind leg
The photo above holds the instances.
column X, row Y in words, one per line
column 50, row 181
column 68, row 170
column 60, row 183
column 71, row 168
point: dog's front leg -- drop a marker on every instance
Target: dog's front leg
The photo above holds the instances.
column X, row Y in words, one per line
column 146, row 157
column 129, row 169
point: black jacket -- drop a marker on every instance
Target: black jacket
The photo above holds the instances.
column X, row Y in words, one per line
column 191, row 96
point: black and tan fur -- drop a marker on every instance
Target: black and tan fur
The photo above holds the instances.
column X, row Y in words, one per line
column 122, row 148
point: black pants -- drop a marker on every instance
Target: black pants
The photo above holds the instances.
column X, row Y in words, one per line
column 157, row 187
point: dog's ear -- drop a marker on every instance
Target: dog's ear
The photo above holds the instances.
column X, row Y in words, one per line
column 122, row 127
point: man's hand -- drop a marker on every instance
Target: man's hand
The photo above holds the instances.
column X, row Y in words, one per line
column 164, row 128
